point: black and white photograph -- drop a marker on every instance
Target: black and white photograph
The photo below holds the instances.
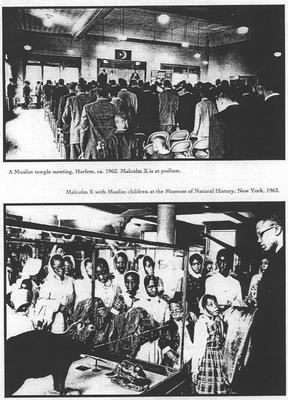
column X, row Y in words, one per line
column 150, row 299
column 144, row 83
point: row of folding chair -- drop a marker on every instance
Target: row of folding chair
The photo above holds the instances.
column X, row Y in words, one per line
column 58, row 135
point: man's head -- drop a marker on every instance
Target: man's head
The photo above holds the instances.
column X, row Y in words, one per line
column 102, row 270
column 61, row 82
column 270, row 80
column 224, row 261
column 57, row 264
column 269, row 232
column 80, row 87
column 225, row 98
column 196, row 262
column 72, row 87
column 102, row 92
column 167, row 84
column 122, row 83
column 131, row 280
column 121, row 262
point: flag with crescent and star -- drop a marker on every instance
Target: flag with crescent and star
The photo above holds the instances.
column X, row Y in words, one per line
column 123, row 54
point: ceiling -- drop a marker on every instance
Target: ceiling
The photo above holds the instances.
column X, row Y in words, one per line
column 200, row 26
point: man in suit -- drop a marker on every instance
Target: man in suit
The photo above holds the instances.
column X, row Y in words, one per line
column 265, row 373
column 72, row 117
column 186, row 111
column 228, row 132
column 61, row 108
column 273, row 115
column 97, row 124
column 11, row 93
column 168, row 105
column 148, row 110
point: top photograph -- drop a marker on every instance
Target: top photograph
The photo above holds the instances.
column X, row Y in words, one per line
column 144, row 83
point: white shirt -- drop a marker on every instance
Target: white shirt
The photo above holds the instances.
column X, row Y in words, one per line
column 106, row 291
column 156, row 307
column 225, row 289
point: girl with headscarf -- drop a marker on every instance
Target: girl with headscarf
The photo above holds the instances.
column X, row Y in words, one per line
column 158, row 310
column 146, row 268
column 56, row 298
column 83, row 286
column 120, row 266
column 207, row 360
column 251, row 298
column 69, row 266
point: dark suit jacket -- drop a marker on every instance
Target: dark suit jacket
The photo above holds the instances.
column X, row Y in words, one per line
column 168, row 105
column 273, row 127
column 72, row 115
column 228, row 134
column 98, row 124
column 266, row 368
column 186, row 112
column 148, row 112
column 61, row 108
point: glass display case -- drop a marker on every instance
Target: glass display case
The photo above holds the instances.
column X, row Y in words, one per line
column 128, row 340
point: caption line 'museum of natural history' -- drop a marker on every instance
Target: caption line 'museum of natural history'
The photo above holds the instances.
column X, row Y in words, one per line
column 155, row 299
column 135, row 83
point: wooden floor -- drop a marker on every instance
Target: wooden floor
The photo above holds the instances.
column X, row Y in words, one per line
column 31, row 137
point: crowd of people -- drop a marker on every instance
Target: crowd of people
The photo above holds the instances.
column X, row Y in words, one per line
column 113, row 120
column 47, row 297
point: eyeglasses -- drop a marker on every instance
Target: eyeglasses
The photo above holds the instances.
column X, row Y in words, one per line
column 260, row 234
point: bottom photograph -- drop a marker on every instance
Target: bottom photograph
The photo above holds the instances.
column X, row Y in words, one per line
column 144, row 299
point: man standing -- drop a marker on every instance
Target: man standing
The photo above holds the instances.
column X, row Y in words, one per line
column 11, row 93
column 226, row 289
column 228, row 133
column 265, row 374
column 61, row 108
column 98, row 124
column 168, row 105
column 272, row 123
column 72, row 117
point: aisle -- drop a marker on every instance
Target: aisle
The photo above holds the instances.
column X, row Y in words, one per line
column 31, row 136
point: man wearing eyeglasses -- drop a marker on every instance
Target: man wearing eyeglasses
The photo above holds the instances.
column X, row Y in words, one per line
column 266, row 368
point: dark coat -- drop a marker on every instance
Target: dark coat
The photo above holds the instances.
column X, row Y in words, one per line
column 148, row 112
column 266, row 372
column 98, row 125
column 61, row 108
column 228, row 134
column 186, row 112
column 273, row 128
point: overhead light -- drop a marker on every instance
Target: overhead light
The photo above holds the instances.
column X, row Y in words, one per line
column 163, row 19
column 205, row 62
column 242, row 30
column 27, row 47
column 122, row 37
column 137, row 63
column 105, row 62
column 185, row 44
column 197, row 55
column 277, row 54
